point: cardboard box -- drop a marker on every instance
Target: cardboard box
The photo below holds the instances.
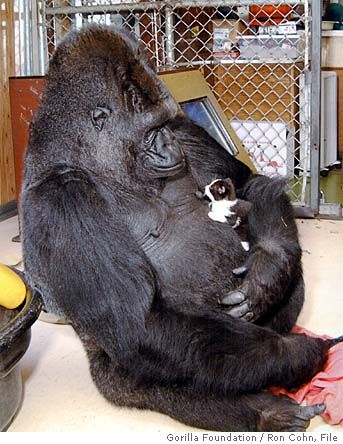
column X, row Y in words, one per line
column 225, row 35
column 281, row 29
column 271, row 47
column 270, row 145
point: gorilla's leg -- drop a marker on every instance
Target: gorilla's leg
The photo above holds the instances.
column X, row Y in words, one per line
column 275, row 255
column 219, row 354
column 259, row 412
column 283, row 317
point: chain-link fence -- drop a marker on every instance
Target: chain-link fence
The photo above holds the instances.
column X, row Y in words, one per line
column 255, row 55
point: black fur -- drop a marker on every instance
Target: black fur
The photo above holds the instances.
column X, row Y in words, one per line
column 116, row 240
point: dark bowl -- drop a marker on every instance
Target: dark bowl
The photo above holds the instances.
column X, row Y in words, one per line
column 15, row 335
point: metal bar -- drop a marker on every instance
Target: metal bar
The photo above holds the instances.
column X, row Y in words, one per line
column 68, row 10
column 216, row 62
column 155, row 30
column 44, row 39
column 35, row 39
column 169, row 36
column 20, row 37
column 316, row 38
column 307, row 32
column 306, row 117
column 103, row 9
column 27, row 65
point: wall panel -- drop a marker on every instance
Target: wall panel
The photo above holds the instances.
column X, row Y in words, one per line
column 7, row 68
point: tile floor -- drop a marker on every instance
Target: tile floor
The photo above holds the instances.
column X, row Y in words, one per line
column 59, row 393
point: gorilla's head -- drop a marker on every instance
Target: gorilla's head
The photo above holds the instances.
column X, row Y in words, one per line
column 107, row 104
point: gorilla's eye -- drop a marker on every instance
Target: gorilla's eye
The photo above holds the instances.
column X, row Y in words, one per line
column 134, row 98
column 149, row 137
column 99, row 116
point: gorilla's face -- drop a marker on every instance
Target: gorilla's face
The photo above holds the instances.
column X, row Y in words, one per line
column 149, row 107
column 118, row 106
column 161, row 156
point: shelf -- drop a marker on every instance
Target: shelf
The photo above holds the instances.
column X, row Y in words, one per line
column 332, row 33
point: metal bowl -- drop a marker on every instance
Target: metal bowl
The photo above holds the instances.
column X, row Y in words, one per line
column 15, row 335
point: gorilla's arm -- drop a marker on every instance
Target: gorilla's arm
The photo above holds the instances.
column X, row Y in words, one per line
column 275, row 252
column 274, row 262
column 207, row 159
column 85, row 262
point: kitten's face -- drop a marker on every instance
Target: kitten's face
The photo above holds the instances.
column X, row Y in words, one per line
column 220, row 189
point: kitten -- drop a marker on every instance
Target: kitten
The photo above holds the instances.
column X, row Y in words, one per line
column 227, row 208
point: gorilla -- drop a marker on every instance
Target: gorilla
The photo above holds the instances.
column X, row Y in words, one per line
column 174, row 315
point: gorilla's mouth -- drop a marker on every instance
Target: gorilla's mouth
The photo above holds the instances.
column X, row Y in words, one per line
column 165, row 170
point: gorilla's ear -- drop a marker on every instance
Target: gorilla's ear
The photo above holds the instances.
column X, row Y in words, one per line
column 135, row 99
column 99, row 116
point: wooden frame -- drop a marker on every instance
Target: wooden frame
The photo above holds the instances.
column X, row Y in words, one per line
column 190, row 85
column 7, row 68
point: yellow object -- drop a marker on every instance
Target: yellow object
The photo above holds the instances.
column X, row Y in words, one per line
column 12, row 288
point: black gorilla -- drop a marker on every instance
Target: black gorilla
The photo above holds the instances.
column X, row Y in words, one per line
column 115, row 239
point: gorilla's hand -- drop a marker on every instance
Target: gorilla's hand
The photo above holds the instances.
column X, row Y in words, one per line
column 238, row 305
column 273, row 267
column 260, row 288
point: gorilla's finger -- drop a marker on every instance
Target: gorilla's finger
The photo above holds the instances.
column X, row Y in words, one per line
column 239, row 310
column 234, row 298
column 310, row 411
column 249, row 316
column 240, row 271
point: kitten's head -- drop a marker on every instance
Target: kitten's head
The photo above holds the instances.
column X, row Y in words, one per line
column 220, row 189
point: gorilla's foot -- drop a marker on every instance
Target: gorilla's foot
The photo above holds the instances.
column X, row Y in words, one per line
column 334, row 341
column 285, row 415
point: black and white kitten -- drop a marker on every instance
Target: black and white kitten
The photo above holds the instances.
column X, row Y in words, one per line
column 227, row 208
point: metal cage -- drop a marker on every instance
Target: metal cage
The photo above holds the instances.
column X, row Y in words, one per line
column 260, row 58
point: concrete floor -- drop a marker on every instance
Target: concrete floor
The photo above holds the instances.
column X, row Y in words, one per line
column 59, row 393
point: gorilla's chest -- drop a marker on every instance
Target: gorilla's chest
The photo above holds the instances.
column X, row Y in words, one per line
column 183, row 244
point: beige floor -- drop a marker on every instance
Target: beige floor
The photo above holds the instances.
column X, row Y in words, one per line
column 59, row 394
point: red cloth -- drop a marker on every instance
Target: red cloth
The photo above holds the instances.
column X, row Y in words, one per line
column 326, row 386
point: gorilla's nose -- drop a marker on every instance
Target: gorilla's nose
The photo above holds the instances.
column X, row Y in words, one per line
column 167, row 149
